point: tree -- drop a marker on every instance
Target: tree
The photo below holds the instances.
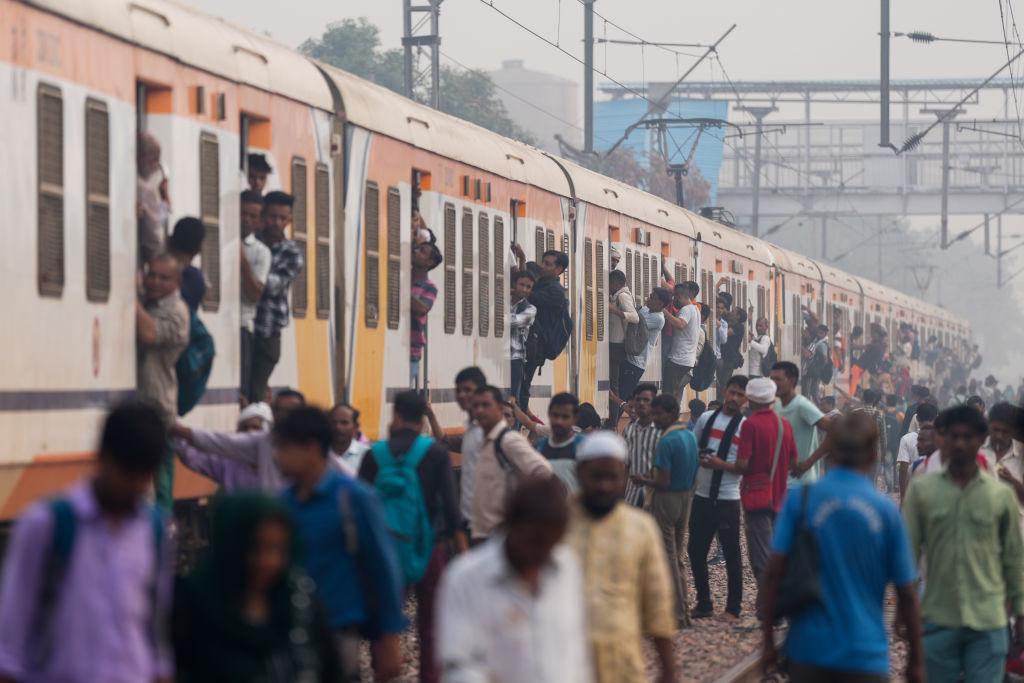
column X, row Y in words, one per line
column 354, row 46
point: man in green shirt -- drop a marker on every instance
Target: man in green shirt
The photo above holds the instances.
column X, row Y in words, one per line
column 804, row 417
column 965, row 524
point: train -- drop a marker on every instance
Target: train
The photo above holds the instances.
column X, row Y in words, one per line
column 81, row 79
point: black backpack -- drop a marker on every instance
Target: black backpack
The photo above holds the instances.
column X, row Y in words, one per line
column 771, row 357
column 704, row 372
column 547, row 342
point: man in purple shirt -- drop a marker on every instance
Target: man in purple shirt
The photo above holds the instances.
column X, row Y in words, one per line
column 86, row 585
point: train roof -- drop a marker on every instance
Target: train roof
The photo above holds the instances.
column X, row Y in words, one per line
column 202, row 41
column 383, row 111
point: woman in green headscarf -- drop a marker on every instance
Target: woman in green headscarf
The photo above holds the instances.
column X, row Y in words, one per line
column 248, row 613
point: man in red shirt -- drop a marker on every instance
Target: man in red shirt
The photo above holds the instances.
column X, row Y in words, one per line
column 764, row 461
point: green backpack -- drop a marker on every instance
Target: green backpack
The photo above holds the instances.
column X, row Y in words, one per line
column 405, row 511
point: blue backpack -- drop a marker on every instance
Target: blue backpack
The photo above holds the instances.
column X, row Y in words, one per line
column 405, row 511
column 194, row 365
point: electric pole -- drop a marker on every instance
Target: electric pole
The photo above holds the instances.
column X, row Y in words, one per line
column 413, row 39
column 758, row 113
column 999, row 251
column 588, row 76
column 945, row 115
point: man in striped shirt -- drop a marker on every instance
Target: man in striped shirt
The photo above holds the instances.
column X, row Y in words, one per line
column 641, row 437
column 716, row 502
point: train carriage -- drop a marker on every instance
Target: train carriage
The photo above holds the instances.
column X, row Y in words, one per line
column 87, row 75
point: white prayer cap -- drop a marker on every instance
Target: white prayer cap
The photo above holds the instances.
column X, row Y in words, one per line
column 260, row 410
column 761, row 390
column 602, row 444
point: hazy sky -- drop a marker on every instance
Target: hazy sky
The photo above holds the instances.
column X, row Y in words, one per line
column 788, row 39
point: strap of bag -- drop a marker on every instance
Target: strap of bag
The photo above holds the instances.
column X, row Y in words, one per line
column 507, row 465
column 778, row 449
column 705, row 434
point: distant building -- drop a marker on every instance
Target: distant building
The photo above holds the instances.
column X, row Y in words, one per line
column 612, row 117
column 557, row 96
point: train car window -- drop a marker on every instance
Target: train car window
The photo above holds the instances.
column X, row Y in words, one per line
column 600, row 285
column 565, row 250
column 588, row 288
column 209, row 213
column 797, row 326
column 467, row 271
column 646, row 279
column 539, row 244
column 97, row 201
column 300, row 235
column 449, row 268
column 484, row 274
column 637, row 279
column 549, row 240
column 394, row 246
column 371, row 220
column 655, row 274
column 629, row 267
column 50, row 162
column 322, row 215
column 679, row 273
column 499, row 277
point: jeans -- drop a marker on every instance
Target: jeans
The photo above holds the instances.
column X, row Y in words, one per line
column 616, row 357
column 414, row 373
column 629, row 378
column 529, row 372
column 245, row 372
column 723, row 371
column 709, row 518
column 517, row 379
column 426, row 603
column 671, row 510
column 266, row 351
column 979, row 655
column 758, row 527
column 676, row 377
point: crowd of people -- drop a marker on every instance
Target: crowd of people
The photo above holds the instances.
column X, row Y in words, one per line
column 541, row 549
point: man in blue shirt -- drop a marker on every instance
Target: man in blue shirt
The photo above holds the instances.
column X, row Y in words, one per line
column 346, row 547
column 675, row 471
column 862, row 547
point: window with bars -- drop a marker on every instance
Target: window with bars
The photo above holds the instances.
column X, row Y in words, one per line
column 467, row 271
column 680, row 275
column 600, row 280
column 371, row 281
column 209, row 214
column 484, row 274
column 449, row 268
column 637, row 278
column 629, row 267
column 642, row 296
column 588, row 288
column 499, row 277
column 539, row 244
column 797, row 325
column 655, row 275
column 97, row 201
column 565, row 250
column 300, row 235
column 50, row 186
column 549, row 240
column 322, row 215
column 394, row 247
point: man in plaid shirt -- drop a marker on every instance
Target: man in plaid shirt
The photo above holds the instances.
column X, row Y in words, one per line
column 272, row 313
column 872, row 397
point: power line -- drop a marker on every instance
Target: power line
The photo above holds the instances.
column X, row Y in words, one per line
column 641, row 41
column 1013, row 86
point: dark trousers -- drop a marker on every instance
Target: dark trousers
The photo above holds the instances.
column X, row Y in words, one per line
column 529, row 372
column 517, row 379
column 616, row 357
column 629, row 378
column 723, row 371
column 805, row 673
column 709, row 518
column 758, row 527
column 675, row 378
column 266, row 351
column 245, row 372
column 426, row 604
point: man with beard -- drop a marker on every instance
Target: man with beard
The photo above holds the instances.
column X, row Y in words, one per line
column 625, row 576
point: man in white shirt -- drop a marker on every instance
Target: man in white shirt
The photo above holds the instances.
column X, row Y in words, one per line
column 512, row 609
column 621, row 312
column 908, row 450
column 633, row 367
column 346, row 450
column 1004, row 451
column 255, row 267
column 521, row 316
column 682, row 357
column 758, row 349
column 716, row 502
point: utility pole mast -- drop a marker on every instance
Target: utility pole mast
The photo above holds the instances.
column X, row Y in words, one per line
column 999, row 251
column 947, row 116
column 413, row 38
column 758, row 113
column 588, row 76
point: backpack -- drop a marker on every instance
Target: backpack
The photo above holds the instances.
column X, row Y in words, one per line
column 546, row 342
column 704, row 371
column 405, row 511
column 771, row 357
column 194, row 365
column 55, row 568
column 822, row 365
column 637, row 338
